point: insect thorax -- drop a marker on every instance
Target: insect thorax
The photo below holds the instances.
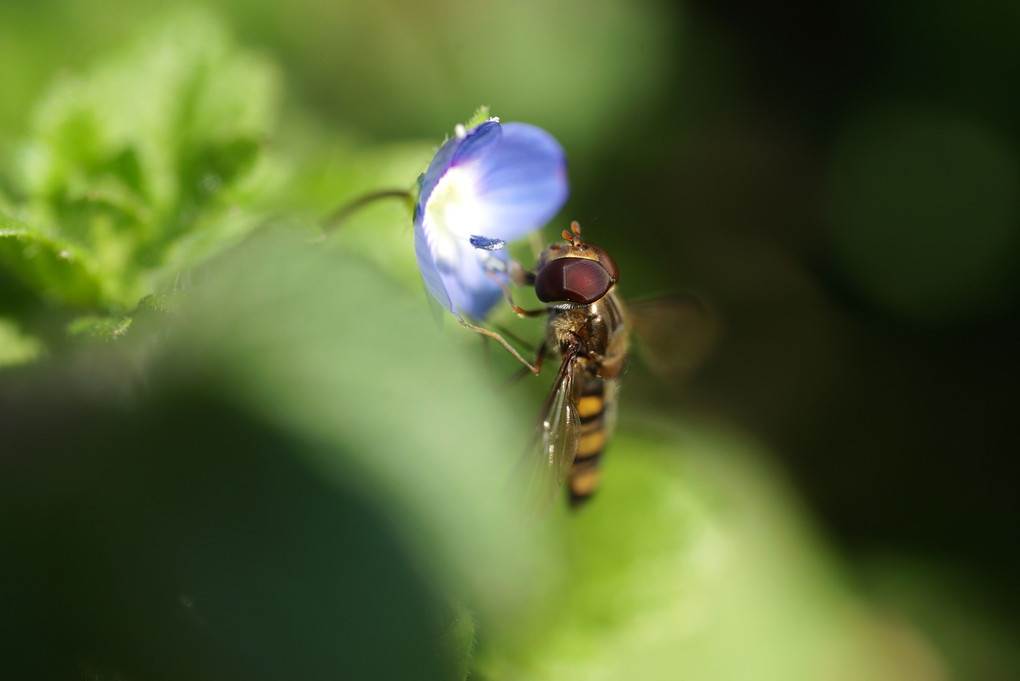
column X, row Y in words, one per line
column 582, row 328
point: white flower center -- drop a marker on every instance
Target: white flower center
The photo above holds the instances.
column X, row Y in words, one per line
column 452, row 215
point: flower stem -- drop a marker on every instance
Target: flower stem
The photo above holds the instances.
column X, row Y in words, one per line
column 340, row 215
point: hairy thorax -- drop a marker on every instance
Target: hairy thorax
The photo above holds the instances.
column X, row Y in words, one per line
column 595, row 331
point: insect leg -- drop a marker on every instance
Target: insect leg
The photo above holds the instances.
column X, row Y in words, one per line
column 510, row 298
column 539, row 356
column 502, row 341
column 507, row 333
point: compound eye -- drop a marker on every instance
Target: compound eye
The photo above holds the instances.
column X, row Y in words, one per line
column 574, row 280
column 607, row 262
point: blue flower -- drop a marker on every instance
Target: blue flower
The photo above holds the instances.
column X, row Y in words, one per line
column 485, row 186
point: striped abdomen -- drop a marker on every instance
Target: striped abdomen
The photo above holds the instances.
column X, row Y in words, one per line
column 595, row 409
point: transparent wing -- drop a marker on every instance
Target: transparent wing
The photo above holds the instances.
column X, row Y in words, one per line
column 553, row 445
column 674, row 334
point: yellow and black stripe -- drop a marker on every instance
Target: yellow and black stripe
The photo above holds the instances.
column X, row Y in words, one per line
column 584, row 475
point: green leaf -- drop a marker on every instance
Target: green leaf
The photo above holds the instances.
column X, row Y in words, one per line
column 457, row 643
column 176, row 105
column 58, row 270
column 163, row 139
column 200, row 543
column 335, row 350
column 16, row 347
column 691, row 562
column 312, row 484
column 99, row 328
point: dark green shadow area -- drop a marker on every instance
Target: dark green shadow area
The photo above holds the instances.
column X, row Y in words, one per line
column 182, row 539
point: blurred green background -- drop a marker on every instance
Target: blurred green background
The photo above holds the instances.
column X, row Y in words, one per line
column 231, row 448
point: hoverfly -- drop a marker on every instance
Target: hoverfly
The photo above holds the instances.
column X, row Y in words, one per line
column 587, row 329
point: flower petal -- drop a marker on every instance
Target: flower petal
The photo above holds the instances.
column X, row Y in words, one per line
column 429, row 272
column 521, row 181
column 451, row 153
column 460, row 283
column 478, row 142
column 472, row 289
